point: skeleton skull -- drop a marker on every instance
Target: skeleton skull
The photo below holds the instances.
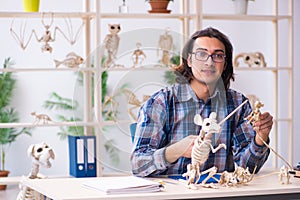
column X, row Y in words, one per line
column 41, row 154
column 253, row 59
column 208, row 124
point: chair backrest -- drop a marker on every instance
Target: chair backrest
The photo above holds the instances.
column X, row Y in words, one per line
column 132, row 128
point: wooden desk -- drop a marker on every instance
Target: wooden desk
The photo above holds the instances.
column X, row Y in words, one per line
column 269, row 186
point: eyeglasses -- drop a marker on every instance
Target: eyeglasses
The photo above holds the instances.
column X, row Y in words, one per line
column 203, row 56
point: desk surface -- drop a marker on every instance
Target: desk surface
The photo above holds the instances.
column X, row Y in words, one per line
column 71, row 188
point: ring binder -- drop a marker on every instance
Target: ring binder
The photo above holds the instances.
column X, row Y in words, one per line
column 82, row 156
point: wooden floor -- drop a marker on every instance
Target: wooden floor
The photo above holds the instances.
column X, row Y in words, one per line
column 10, row 193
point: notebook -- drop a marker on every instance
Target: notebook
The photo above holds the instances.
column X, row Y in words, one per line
column 123, row 185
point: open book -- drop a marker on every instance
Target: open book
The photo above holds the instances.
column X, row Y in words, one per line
column 123, row 184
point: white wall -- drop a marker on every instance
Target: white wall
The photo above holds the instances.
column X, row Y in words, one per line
column 33, row 89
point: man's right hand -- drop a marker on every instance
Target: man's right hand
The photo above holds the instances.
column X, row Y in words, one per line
column 182, row 148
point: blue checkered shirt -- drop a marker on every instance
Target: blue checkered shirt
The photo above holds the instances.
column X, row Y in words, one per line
column 168, row 116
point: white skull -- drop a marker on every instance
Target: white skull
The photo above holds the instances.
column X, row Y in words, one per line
column 41, row 154
column 209, row 125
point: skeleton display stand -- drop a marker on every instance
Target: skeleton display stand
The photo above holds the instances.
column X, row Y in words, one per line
column 40, row 154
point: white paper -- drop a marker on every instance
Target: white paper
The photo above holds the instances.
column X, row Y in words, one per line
column 123, row 184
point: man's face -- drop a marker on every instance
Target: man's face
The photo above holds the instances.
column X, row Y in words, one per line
column 210, row 70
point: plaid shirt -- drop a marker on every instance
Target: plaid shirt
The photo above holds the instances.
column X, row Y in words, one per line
column 168, row 116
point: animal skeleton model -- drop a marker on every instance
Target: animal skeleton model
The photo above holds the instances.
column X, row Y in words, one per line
column 132, row 99
column 284, row 172
column 111, row 44
column 72, row 60
column 165, row 44
column 203, row 146
column 239, row 176
column 41, row 154
column 252, row 99
column 47, row 37
column 45, row 119
column 228, row 179
column 243, row 175
column 255, row 59
column 138, row 55
column 253, row 117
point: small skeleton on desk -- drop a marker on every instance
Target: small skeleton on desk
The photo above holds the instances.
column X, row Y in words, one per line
column 284, row 172
column 41, row 154
column 203, row 146
column 201, row 149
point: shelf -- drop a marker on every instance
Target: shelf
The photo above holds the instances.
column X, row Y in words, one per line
column 158, row 68
column 93, row 15
column 138, row 16
column 10, row 180
column 46, row 14
column 246, row 17
column 273, row 69
column 50, row 124
column 46, row 69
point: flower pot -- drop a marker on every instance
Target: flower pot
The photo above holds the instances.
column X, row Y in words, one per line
column 31, row 5
column 241, row 7
column 159, row 6
column 3, row 174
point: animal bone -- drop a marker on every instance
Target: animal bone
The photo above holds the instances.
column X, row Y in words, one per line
column 111, row 43
column 41, row 117
column 255, row 59
column 41, row 154
column 203, row 146
column 47, row 37
column 72, row 60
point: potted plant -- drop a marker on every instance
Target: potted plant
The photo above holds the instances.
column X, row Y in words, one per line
column 7, row 115
column 159, row 6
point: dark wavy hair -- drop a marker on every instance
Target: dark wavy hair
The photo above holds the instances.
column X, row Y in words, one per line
column 185, row 71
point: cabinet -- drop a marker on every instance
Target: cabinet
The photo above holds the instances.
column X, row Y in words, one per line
column 275, row 89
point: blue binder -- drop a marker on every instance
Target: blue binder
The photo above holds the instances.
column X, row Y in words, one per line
column 82, row 153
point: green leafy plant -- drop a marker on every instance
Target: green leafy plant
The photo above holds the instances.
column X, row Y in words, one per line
column 7, row 114
column 59, row 103
column 170, row 76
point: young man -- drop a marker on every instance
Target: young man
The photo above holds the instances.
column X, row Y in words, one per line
column 166, row 131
